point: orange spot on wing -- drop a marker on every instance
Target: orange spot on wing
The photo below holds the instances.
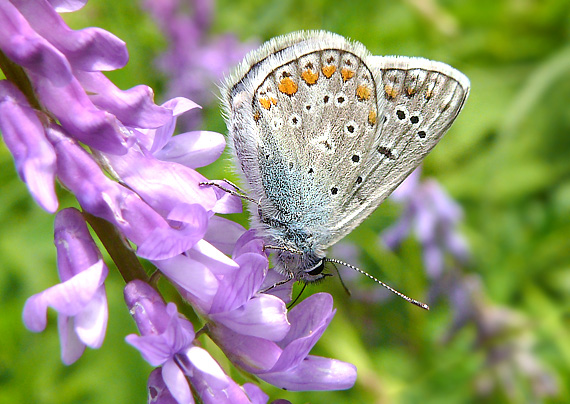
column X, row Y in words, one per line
column 346, row 74
column 309, row 76
column 265, row 103
column 372, row 117
column 287, row 86
column 363, row 93
column 328, row 71
column 256, row 116
column 390, row 91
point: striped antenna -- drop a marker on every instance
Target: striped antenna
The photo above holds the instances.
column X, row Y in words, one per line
column 391, row 289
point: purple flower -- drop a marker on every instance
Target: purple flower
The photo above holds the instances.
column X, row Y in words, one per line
column 167, row 340
column 287, row 363
column 80, row 298
column 434, row 217
column 195, row 61
column 23, row 134
column 114, row 150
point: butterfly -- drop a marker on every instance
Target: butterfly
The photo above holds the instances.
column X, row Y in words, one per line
column 322, row 132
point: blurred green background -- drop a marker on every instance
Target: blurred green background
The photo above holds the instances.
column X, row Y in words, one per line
column 506, row 161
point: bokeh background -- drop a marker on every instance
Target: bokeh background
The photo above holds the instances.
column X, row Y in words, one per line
column 499, row 327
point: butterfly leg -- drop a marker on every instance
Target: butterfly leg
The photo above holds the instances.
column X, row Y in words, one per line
column 229, row 191
column 274, row 247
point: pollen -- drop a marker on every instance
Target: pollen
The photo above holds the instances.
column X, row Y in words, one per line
column 310, row 77
column 390, row 91
column 362, row 92
column 328, row 71
column 372, row 117
column 288, row 86
column 346, row 74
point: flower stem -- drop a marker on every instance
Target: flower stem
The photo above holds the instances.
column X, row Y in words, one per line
column 18, row 76
column 118, row 248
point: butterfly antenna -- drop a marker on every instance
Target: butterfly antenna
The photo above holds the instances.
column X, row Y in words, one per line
column 340, row 278
column 391, row 289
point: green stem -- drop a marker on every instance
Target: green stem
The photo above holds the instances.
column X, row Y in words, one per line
column 18, row 76
column 121, row 253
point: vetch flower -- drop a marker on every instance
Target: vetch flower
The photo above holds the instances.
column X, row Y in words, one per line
column 195, row 60
column 287, row 363
column 80, row 298
column 434, row 217
column 167, row 340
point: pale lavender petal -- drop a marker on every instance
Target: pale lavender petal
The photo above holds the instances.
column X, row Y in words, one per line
column 282, row 291
column 82, row 119
column 255, row 394
column 314, row 373
column 68, row 298
column 66, row 6
column 75, row 247
column 193, row 276
column 253, row 354
column 71, row 346
column 87, row 49
column 162, row 185
column 264, row 316
column 249, row 242
column 158, row 393
column 193, row 149
column 204, row 366
column 25, row 47
column 240, row 285
column 133, row 107
column 308, row 323
column 162, row 135
column 219, row 263
column 91, row 323
column 433, row 258
column 176, row 383
column 24, row 136
column 226, row 203
column 223, row 233
column 147, row 307
column 306, row 317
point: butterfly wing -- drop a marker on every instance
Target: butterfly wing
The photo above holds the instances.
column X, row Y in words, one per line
column 314, row 121
column 419, row 99
column 293, row 117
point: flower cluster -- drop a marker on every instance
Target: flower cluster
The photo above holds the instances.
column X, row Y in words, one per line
column 435, row 219
column 63, row 120
column 195, row 58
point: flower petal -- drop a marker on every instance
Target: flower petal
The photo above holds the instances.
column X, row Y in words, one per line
column 264, row 316
column 86, row 49
column 193, row 149
column 176, row 383
column 194, row 277
column 255, row 394
column 223, row 233
column 71, row 346
column 24, row 136
column 314, row 373
column 28, row 49
column 158, row 393
column 68, row 298
column 91, row 323
column 133, row 107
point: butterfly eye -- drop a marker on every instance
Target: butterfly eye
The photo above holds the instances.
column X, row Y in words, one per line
column 317, row 269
